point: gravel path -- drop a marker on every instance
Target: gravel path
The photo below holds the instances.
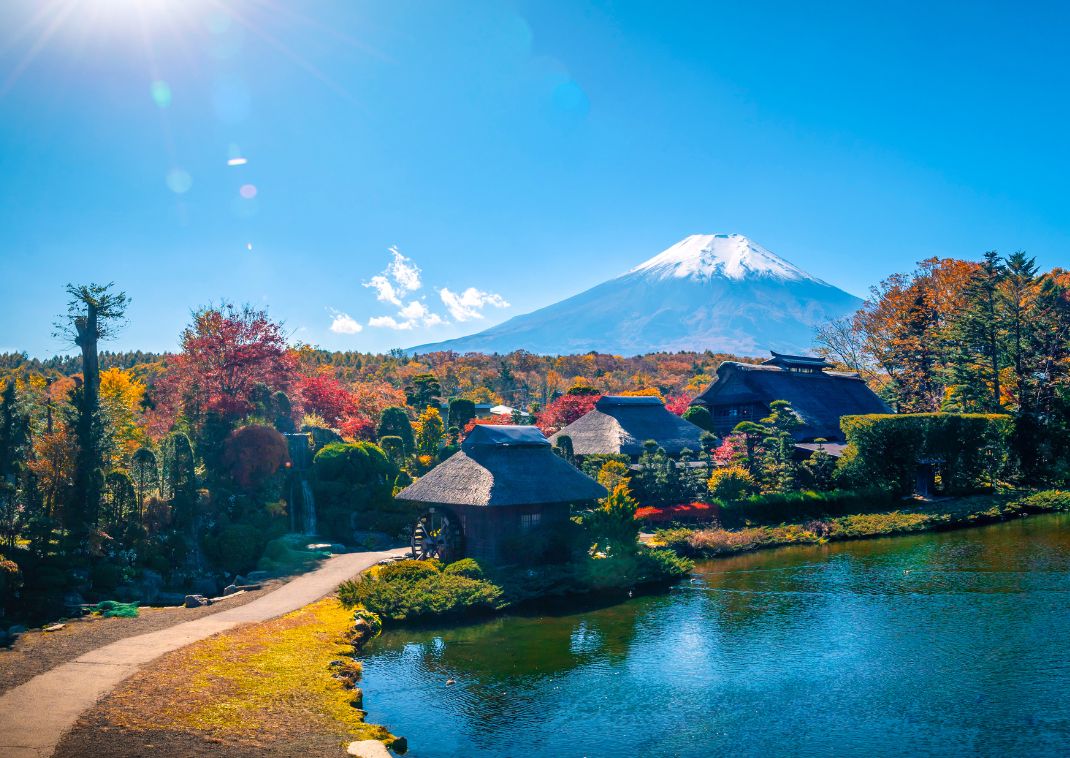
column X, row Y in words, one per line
column 35, row 714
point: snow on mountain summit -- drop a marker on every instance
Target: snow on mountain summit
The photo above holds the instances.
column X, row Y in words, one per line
column 718, row 292
column 732, row 256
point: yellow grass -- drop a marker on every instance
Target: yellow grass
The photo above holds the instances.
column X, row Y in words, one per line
column 256, row 683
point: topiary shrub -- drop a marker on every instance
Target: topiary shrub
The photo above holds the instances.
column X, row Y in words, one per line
column 254, row 453
column 236, row 548
column 354, row 484
column 465, row 567
column 731, row 483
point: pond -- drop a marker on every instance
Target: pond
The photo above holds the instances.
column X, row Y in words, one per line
column 954, row 643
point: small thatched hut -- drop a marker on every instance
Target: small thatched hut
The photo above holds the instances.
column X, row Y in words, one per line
column 620, row 425
column 504, row 481
column 819, row 397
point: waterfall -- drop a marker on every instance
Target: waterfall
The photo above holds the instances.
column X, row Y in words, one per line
column 308, row 503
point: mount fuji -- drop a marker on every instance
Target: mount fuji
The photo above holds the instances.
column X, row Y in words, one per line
column 718, row 292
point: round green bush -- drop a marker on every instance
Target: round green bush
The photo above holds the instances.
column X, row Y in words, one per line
column 464, row 567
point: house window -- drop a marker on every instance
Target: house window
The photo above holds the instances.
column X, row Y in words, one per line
column 529, row 521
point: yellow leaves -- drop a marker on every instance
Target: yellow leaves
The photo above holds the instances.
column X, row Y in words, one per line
column 645, row 392
column 614, row 474
column 121, row 394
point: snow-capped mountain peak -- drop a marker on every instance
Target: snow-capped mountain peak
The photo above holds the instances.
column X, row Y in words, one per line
column 718, row 292
column 732, row 256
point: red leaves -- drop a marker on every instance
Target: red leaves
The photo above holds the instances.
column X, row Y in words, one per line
column 564, row 410
column 677, row 404
column 681, row 512
column 357, row 427
column 253, row 453
column 226, row 353
column 327, row 397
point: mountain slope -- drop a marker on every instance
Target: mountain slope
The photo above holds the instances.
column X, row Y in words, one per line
column 719, row 292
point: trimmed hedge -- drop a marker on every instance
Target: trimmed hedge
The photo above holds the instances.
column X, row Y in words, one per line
column 793, row 507
column 969, row 450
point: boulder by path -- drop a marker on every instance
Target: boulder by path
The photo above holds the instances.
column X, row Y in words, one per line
column 59, row 696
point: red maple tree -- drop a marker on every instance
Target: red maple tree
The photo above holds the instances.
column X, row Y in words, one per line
column 226, row 353
column 327, row 397
column 564, row 410
column 678, row 404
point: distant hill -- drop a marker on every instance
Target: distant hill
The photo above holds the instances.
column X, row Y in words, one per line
column 719, row 292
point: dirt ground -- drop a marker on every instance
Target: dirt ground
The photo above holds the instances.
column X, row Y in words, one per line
column 36, row 652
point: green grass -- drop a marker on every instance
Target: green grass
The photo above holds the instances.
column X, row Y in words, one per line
column 978, row 509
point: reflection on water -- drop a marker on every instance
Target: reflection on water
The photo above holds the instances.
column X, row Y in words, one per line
column 952, row 644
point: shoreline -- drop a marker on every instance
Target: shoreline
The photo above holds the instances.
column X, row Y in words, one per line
column 947, row 515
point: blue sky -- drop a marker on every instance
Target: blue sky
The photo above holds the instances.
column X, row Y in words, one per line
column 514, row 152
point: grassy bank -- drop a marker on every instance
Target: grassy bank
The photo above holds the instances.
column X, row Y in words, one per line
column 948, row 514
column 414, row 590
column 289, row 682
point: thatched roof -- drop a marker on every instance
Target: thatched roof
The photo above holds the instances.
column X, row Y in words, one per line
column 622, row 424
column 500, row 466
column 819, row 398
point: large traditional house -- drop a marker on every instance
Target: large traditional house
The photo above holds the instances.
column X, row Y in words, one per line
column 620, row 424
column 743, row 392
column 504, row 482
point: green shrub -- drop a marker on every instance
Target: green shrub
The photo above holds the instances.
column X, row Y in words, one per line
column 731, row 483
column 354, row 484
column 970, row 450
column 780, row 508
column 465, row 567
column 1047, row 500
column 409, row 571
column 236, row 548
column 115, row 609
column 421, row 590
column 286, row 554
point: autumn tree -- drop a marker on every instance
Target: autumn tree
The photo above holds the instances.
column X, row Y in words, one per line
column 564, row 410
column 121, row 398
column 226, row 353
column 253, row 453
column 429, row 431
column 327, row 397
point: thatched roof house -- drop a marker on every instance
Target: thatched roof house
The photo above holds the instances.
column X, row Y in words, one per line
column 743, row 392
column 505, row 480
column 620, row 424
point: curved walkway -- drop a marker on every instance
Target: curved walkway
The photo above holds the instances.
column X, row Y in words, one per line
column 35, row 715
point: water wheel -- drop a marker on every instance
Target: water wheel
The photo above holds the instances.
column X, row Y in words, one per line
column 437, row 534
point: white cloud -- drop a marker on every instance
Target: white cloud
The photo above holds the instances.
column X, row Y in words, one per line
column 469, row 304
column 384, row 289
column 433, row 319
column 415, row 309
column 389, row 322
column 399, row 277
column 343, row 323
column 404, row 271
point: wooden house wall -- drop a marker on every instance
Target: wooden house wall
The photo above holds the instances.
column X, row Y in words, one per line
column 486, row 529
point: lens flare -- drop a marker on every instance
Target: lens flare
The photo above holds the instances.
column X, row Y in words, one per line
column 161, row 93
column 179, row 181
column 248, row 191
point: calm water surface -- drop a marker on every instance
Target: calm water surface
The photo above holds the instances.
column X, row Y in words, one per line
column 937, row 644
